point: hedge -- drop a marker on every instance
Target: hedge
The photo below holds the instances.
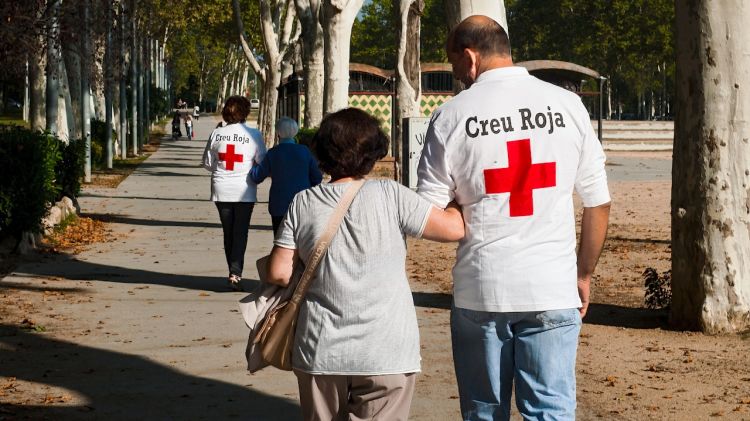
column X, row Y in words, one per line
column 38, row 169
column 28, row 160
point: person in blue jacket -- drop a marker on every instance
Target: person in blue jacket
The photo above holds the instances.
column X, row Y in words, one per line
column 291, row 167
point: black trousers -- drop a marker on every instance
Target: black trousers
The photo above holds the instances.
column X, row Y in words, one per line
column 235, row 221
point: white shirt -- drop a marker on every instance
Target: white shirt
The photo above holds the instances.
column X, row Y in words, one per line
column 510, row 150
column 230, row 153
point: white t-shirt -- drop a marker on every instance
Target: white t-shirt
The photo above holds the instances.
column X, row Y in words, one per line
column 230, row 153
column 511, row 149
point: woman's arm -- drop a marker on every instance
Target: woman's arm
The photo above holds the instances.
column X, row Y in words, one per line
column 281, row 265
column 259, row 172
column 444, row 225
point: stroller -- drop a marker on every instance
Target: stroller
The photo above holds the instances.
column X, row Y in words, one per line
column 176, row 132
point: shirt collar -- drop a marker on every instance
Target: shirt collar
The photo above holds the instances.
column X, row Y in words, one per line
column 502, row 73
column 287, row 140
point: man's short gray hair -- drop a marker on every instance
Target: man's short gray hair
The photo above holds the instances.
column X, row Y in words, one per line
column 286, row 128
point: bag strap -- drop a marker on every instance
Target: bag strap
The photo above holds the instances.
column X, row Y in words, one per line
column 334, row 222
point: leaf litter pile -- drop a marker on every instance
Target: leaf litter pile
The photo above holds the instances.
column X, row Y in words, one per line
column 75, row 236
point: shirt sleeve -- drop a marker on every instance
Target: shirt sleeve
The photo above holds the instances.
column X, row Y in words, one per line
column 413, row 211
column 434, row 181
column 260, row 171
column 208, row 159
column 285, row 236
column 591, row 175
column 260, row 152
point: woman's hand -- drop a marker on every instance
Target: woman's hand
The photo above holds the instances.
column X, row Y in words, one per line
column 281, row 265
column 445, row 225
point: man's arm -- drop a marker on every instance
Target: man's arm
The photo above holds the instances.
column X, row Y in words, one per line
column 593, row 232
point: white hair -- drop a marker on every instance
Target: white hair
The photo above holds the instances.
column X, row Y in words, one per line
column 286, row 128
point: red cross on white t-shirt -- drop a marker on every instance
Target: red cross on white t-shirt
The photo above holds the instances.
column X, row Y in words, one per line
column 229, row 157
column 520, row 178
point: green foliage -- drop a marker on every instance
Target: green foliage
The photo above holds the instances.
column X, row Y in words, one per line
column 374, row 39
column 99, row 142
column 29, row 158
column 658, row 288
column 631, row 42
column 158, row 102
column 305, row 136
column 69, row 169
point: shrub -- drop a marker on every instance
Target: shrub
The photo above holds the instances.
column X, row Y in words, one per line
column 28, row 158
column 658, row 288
column 99, row 143
column 69, row 169
column 305, row 136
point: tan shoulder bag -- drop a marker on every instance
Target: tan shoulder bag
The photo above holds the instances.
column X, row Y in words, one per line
column 276, row 334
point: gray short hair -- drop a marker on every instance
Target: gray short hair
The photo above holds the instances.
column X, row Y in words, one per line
column 286, row 128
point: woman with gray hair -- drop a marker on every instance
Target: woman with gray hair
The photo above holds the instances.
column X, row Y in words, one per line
column 292, row 168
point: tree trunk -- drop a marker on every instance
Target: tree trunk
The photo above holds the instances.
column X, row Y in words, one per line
column 123, row 134
column 338, row 18
column 52, row 91
column 711, row 171
column 37, row 86
column 85, row 62
column 108, row 87
column 73, row 70
column 308, row 12
column 270, row 99
column 456, row 11
column 133, row 79
column 408, row 80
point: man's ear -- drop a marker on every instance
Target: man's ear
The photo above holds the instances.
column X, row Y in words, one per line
column 473, row 59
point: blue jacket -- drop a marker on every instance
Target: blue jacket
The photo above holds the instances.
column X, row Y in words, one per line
column 292, row 168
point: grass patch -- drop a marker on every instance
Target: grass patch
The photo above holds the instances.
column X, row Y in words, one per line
column 13, row 121
column 122, row 168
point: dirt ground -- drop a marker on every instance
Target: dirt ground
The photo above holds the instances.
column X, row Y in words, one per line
column 630, row 365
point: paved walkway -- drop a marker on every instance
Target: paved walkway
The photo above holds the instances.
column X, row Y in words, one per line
column 151, row 329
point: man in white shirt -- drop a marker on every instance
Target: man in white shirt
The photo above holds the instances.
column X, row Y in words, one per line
column 510, row 150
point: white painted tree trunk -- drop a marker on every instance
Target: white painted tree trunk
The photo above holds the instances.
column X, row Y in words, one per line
column 308, row 13
column 408, row 78
column 337, row 20
column 458, row 10
column 711, row 175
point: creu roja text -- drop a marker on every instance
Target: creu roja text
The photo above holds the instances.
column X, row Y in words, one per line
column 545, row 120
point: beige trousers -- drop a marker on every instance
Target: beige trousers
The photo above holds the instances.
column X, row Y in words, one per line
column 355, row 398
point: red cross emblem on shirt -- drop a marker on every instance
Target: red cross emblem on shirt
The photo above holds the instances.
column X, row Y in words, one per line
column 520, row 178
column 229, row 157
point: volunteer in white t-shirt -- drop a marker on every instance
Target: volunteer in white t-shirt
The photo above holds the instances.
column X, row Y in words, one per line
column 510, row 150
column 231, row 152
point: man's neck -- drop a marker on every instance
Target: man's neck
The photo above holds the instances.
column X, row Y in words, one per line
column 494, row 63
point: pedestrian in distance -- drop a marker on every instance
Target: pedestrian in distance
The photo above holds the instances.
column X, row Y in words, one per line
column 511, row 149
column 230, row 154
column 356, row 348
column 196, row 112
column 189, row 126
column 176, row 130
column 291, row 167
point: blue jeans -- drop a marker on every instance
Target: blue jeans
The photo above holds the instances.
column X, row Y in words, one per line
column 537, row 349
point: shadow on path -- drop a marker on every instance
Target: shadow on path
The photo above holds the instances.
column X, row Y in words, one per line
column 627, row 317
column 68, row 267
column 598, row 314
column 156, row 223
column 122, row 386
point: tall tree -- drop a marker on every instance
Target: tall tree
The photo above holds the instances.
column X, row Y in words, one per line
column 277, row 21
column 308, row 13
column 408, row 70
column 337, row 19
column 711, row 171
